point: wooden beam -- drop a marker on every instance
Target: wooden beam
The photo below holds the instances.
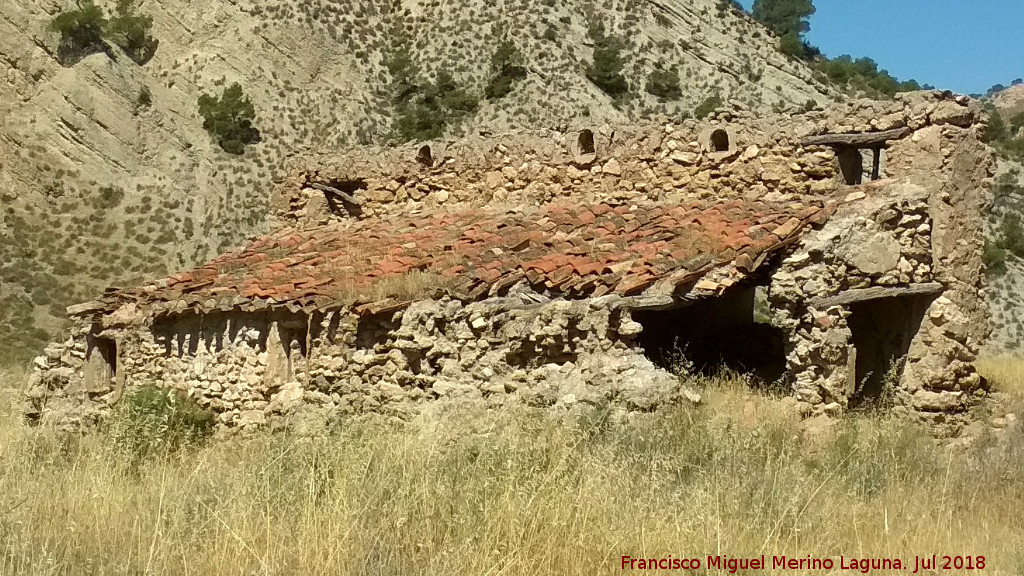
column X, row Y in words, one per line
column 856, row 140
column 332, row 190
column 86, row 308
column 877, row 166
column 875, row 293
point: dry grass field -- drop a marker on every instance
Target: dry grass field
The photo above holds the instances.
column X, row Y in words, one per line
column 515, row 493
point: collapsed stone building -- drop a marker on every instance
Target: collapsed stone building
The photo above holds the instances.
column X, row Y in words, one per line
column 836, row 253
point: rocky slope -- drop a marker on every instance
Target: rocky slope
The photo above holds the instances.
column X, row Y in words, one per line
column 1005, row 289
column 1009, row 101
column 99, row 188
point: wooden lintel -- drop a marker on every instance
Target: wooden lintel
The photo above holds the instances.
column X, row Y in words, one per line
column 875, row 293
column 856, row 140
column 86, row 308
column 332, row 190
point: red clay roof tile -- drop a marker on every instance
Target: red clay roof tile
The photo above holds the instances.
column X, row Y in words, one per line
column 588, row 251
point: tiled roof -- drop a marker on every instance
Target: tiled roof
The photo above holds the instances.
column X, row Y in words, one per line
column 577, row 251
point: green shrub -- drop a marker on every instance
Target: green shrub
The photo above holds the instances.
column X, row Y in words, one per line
column 863, row 74
column 664, row 84
column 506, row 69
column 708, row 106
column 81, row 32
column 132, row 33
column 791, row 45
column 155, row 423
column 145, row 98
column 228, row 118
column 108, row 197
column 425, row 111
column 1011, row 235
column 606, row 69
column 994, row 258
column 784, row 17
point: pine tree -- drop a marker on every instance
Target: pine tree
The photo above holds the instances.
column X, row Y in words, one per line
column 228, row 118
column 784, row 16
column 81, row 32
column 606, row 69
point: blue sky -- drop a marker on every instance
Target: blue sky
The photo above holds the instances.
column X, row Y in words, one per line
column 961, row 45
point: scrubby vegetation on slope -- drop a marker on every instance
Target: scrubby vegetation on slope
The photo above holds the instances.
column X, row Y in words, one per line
column 517, row 493
column 83, row 31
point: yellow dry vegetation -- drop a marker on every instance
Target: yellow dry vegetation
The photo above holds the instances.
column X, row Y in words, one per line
column 1005, row 373
column 515, row 492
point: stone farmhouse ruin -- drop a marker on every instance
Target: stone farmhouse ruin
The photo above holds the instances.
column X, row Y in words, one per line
column 831, row 252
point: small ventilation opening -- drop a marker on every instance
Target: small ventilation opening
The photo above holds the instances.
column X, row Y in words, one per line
column 719, row 141
column 373, row 330
column 585, row 143
column 851, row 164
column 714, row 334
column 424, row 157
column 883, row 330
column 343, row 196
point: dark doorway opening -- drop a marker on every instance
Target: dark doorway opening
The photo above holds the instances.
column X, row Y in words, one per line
column 100, row 362
column 373, row 330
column 424, row 157
column 851, row 164
column 883, row 330
column 585, row 143
column 719, row 141
column 715, row 333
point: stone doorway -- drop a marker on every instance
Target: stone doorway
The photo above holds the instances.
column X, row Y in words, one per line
column 100, row 362
column 883, row 330
column 712, row 334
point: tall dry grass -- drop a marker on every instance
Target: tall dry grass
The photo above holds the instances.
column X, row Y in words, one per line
column 1005, row 373
column 516, row 492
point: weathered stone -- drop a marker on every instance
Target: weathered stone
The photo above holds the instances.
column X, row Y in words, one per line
column 612, row 167
column 880, row 253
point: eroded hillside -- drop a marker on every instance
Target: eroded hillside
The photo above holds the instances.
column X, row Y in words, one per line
column 101, row 188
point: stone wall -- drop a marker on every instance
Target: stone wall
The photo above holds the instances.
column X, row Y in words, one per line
column 641, row 163
column 254, row 368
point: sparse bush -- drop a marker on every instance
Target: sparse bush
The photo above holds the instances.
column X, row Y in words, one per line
column 153, row 423
column 133, row 33
column 425, row 112
column 81, row 32
column 108, row 197
column 228, row 118
column 144, row 99
column 863, row 74
column 606, row 69
column 784, row 17
column 708, row 106
column 1011, row 235
column 506, row 69
column 791, row 45
column 1003, row 135
column 994, row 258
column 664, row 83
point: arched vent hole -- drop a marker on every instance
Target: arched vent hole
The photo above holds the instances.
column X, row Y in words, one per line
column 720, row 141
column 585, row 142
column 425, row 157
